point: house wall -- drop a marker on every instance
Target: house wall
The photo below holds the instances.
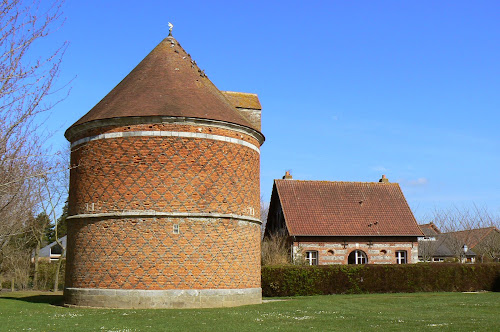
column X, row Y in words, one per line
column 275, row 219
column 332, row 250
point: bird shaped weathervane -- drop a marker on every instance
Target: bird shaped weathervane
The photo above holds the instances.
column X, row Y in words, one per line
column 170, row 27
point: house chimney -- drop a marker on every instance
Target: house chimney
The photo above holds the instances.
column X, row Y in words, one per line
column 384, row 179
column 287, row 176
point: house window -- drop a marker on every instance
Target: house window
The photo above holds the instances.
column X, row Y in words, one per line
column 357, row 257
column 401, row 257
column 56, row 249
column 175, row 229
column 312, row 257
column 55, row 252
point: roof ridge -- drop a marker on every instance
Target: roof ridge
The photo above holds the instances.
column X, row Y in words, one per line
column 328, row 181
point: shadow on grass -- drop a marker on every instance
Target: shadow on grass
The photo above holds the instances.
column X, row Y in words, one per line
column 55, row 300
column 496, row 284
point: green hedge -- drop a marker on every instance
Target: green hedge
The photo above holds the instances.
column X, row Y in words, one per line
column 345, row 279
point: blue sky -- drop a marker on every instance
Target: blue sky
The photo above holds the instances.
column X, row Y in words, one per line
column 350, row 90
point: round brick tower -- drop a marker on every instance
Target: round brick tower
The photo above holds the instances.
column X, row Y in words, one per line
column 164, row 192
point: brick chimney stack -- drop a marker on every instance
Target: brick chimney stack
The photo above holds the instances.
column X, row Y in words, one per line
column 384, row 179
column 287, row 176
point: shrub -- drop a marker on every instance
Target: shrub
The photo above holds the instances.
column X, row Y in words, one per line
column 46, row 275
column 345, row 279
column 275, row 250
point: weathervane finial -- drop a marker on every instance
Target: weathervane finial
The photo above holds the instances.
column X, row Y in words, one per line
column 170, row 27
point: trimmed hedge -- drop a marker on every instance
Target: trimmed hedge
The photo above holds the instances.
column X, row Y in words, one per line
column 350, row 279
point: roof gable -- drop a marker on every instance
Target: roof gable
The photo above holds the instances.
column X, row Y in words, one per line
column 323, row 208
column 429, row 229
column 167, row 82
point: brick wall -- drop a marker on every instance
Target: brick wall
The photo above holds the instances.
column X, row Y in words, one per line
column 378, row 251
column 145, row 253
column 187, row 177
column 165, row 174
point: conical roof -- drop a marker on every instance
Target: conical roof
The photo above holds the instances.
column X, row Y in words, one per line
column 167, row 82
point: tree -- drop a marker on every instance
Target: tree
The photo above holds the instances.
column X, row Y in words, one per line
column 466, row 226
column 15, row 259
column 52, row 191
column 489, row 246
column 26, row 82
column 62, row 226
column 427, row 248
column 38, row 231
column 264, row 211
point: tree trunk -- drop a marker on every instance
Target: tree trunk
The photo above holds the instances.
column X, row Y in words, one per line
column 58, row 268
column 35, row 274
column 12, row 284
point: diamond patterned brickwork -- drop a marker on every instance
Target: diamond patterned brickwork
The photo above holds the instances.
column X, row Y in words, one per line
column 166, row 174
column 208, row 253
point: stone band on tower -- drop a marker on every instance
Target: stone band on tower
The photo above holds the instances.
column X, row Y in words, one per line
column 164, row 192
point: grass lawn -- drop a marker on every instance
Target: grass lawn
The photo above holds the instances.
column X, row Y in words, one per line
column 32, row 311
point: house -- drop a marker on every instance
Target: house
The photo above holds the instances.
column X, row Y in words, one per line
column 431, row 247
column 484, row 241
column 430, row 230
column 435, row 246
column 344, row 222
column 53, row 251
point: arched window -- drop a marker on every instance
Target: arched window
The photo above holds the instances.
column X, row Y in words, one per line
column 357, row 257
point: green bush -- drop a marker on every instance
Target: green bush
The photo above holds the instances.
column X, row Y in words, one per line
column 346, row 279
column 46, row 275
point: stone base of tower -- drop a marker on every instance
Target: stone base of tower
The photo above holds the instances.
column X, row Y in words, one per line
column 161, row 299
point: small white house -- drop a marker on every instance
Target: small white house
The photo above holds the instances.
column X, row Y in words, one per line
column 52, row 251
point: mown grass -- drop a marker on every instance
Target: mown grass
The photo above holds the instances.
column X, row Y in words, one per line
column 29, row 311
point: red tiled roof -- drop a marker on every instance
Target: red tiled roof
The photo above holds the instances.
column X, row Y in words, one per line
column 322, row 208
column 473, row 237
column 429, row 229
column 167, row 82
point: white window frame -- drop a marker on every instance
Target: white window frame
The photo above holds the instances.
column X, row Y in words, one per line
column 401, row 257
column 312, row 257
column 54, row 256
column 360, row 257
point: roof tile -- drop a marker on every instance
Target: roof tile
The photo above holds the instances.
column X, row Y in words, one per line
column 167, row 82
column 323, row 208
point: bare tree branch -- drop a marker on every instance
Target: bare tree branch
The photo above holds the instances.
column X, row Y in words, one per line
column 27, row 80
